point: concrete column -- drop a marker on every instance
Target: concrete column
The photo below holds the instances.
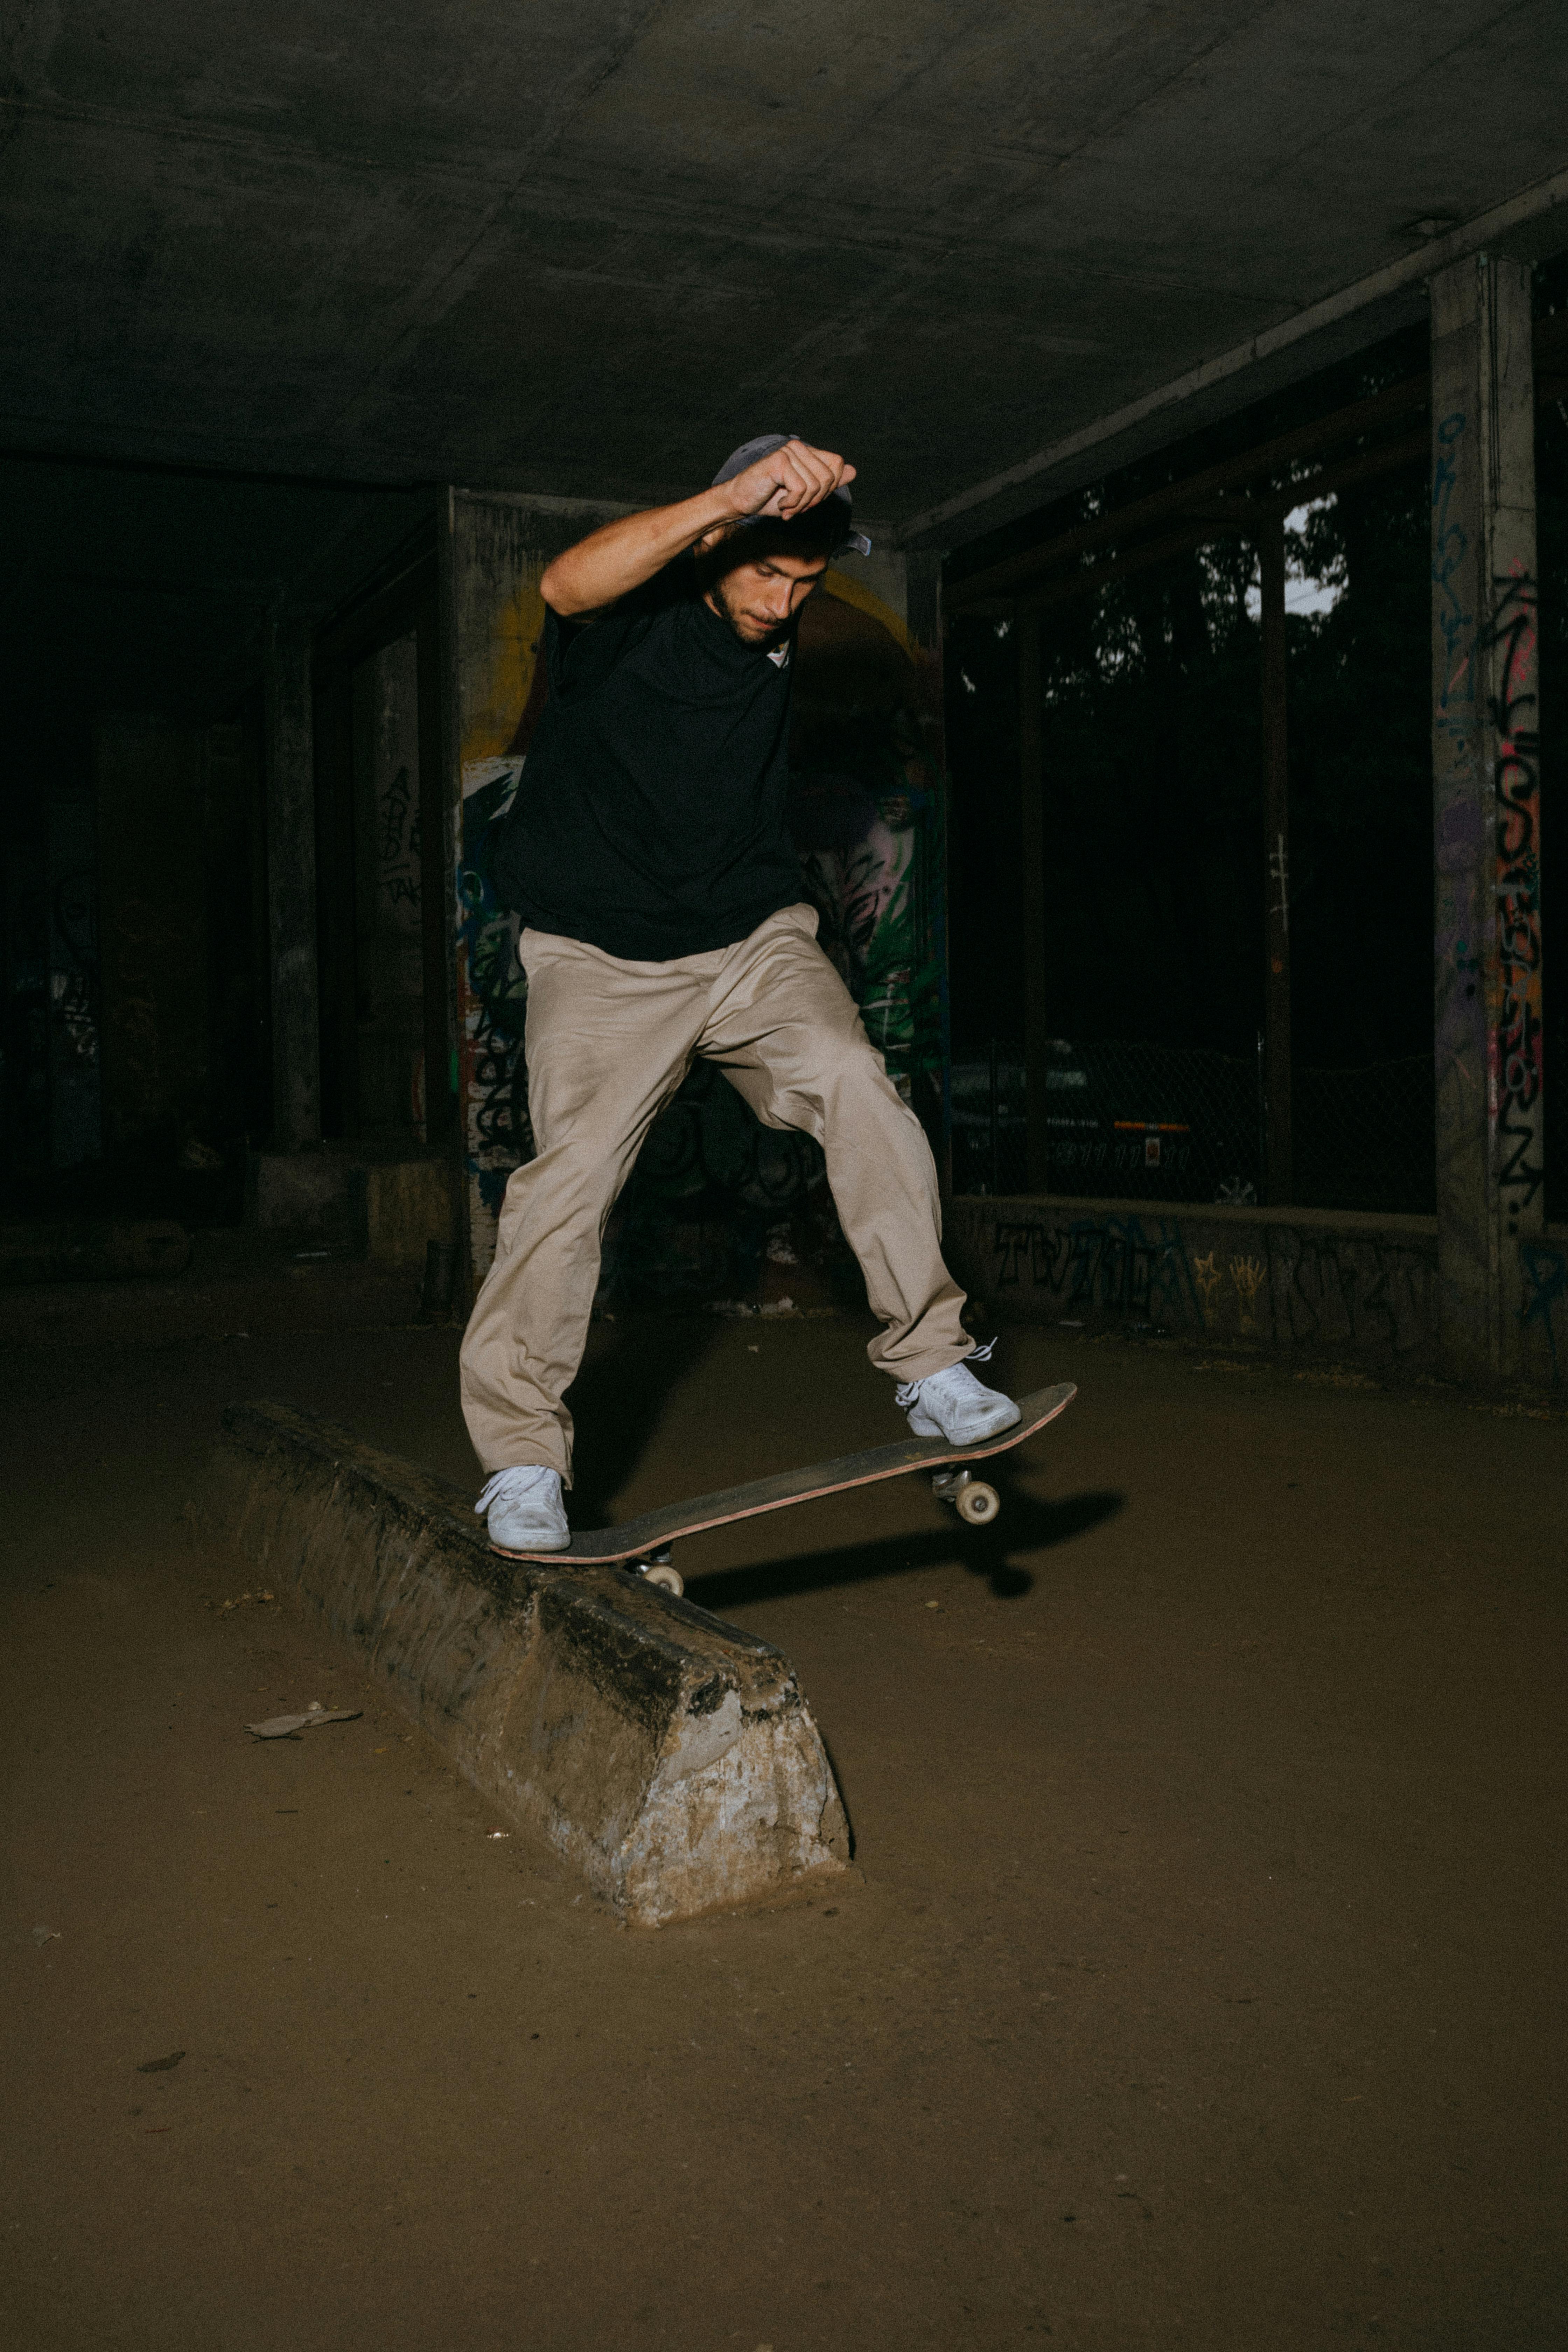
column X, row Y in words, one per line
column 1032, row 805
column 493, row 550
column 75, row 1111
column 389, row 893
column 923, row 618
column 153, row 937
column 291, row 888
column 1278, row 1174
column 1487, row 809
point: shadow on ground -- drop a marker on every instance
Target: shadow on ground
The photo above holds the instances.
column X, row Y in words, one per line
column 1025, row 1524
column 616, row 1408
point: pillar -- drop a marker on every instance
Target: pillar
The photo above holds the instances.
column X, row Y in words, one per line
column 291, row 888
column 1032, row 805
column 76, row 1115
column 389, row 893
column 1485, row 809
column 922, row 615
column 154, row 944
column 493, row 552
column 1278, row 1174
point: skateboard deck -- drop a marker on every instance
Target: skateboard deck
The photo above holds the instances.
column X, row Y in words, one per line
column 646, row 1536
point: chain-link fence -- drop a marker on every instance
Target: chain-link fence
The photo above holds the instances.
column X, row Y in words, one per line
column 1137, row 1121
column 1367, row 1138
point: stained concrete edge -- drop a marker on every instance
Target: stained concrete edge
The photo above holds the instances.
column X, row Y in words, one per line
column 670, row 1759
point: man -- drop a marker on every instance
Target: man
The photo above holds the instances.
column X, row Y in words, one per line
column 648, row 855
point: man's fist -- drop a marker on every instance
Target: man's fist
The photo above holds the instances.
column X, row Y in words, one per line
column 788, row 480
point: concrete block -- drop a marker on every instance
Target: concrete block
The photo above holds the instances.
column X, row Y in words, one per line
column 669, row 1758
column 408, row 1204
column 312, row 1191
column 393, row 1205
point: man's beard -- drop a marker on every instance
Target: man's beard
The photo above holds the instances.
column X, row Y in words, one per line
column 726, row 612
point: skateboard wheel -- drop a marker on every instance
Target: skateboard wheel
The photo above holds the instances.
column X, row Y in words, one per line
column 668, row 1579
column 978, row 1503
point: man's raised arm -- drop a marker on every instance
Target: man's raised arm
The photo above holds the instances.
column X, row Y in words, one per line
column 618, row 557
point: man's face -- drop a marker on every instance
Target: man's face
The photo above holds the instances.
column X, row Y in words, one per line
column 760, row 600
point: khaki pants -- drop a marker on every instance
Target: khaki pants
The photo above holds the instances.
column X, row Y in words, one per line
column 607, row 1044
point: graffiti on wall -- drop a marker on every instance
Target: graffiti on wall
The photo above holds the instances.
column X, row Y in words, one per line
column 1514, row 1056
column 492, row 1000
column 1360, row 1290
column 1124, row 1265
column 1291, row 1285
column 1490, row 1038
column 397, row 844
column 866, row 885
column 1295, row 1286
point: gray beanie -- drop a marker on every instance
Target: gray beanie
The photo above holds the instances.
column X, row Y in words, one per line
column 764, row 446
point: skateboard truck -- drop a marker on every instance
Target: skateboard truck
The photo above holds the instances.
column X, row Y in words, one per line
column 972, row 1498
column 657, row 1571
column 976, row 1503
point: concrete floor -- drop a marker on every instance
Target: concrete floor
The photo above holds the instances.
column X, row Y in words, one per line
column 1202, row 1986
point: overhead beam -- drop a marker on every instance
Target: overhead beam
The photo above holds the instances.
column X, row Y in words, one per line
column 1533, row 223
column 1219, row 494
column 1184, row 497
column 1244, row 518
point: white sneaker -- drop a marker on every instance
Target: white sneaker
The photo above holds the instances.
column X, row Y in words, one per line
column 523, row 1510
column 955, row 1405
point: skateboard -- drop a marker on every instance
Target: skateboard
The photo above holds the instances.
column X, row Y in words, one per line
column 644, row 1543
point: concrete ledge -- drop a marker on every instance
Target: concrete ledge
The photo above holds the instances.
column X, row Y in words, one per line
column 670, row 1759
column 388, row 1200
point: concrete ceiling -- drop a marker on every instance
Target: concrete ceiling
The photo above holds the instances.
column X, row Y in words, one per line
column 570, row 246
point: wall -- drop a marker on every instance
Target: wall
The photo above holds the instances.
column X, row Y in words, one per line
column 1334, row 1281
column 493, row 553
column 76, row 1123
column 153, row 927
column 390, row 1039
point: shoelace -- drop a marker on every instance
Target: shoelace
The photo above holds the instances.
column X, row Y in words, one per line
column 909, row 1393
column 492, row 1487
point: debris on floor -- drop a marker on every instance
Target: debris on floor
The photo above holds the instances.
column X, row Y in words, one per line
column 42, row 1936
column 223, row 1607
column 289, row 1726
column 161, row 2066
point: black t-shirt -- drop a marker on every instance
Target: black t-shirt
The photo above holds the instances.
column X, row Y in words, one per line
column 650, row 818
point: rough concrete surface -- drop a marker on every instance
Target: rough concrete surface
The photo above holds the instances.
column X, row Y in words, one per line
column 669, row 1759
column 1200, row 1984
column 587, row 247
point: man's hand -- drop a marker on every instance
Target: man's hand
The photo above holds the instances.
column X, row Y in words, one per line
column 788, row 481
